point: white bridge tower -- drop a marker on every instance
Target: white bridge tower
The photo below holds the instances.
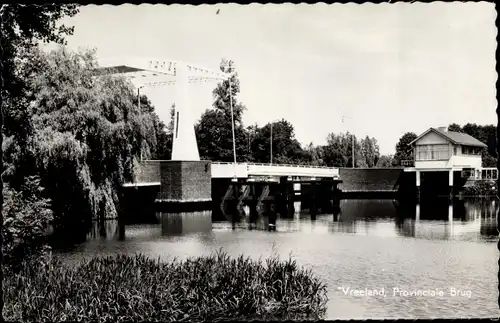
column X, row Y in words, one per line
column 146, row 72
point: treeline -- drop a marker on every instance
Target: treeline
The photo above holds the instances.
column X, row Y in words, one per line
column 486, row 134
column 253, row 143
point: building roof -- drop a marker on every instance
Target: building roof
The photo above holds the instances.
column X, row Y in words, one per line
column 457, row 138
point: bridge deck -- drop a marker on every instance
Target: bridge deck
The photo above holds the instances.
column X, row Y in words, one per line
column 149, row 173
column 245, row 170
column 141, row 184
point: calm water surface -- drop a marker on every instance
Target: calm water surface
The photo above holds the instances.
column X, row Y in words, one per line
column 371, row 244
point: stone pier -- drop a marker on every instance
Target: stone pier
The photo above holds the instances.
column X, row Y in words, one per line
column 183, row 185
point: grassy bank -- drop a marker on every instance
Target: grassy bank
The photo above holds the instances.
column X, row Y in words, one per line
column 125, row 288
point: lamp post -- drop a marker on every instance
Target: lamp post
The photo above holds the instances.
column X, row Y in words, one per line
column 353, row 143
column 139, row 106
column 353, row 164
column 229, row 69
column 232, row 125
column 271, row 142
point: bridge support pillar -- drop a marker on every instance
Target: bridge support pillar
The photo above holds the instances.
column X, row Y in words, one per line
column 282, row 196
column 312, row 207
column 254, row 213
column 296, row 188
column 290, row 197
column 450, row 213
column 417, row 173
column 450, row 183
column 185, row 183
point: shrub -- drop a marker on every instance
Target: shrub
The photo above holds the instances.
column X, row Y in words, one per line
column 27, row 216
column 124, row 288
column 481, row 188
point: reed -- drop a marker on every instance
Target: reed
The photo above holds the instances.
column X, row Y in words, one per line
column 137, row 288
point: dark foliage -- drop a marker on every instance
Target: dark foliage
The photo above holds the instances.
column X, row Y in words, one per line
column 123, row 288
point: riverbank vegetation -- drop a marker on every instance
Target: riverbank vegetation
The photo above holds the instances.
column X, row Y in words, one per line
column 481, row 189
column 124, row 288
column 78, row 134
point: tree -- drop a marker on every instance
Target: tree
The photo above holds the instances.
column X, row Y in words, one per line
column 164, row 133
column 214, row 137
column 384, row 161
column 251, row 133
column 21, row 27
column 85, row 135
column 338, row 151
column 221, row 94
column 314, row 155
column 286, row 149
column 369, row 151
column 455, row 127
column 214, row 129
column 403, row 148
column 484, row 133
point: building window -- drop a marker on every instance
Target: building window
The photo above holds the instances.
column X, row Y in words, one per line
column 432, row 152
column 471, row 150
column 454, row 151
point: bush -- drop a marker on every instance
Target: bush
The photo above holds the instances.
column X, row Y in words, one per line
column 481, row 188
column 27, row 216
column 124, row 288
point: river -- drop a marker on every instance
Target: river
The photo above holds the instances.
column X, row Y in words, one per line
column 446, row 249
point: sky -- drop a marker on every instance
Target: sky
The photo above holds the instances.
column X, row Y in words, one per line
column 388, row 68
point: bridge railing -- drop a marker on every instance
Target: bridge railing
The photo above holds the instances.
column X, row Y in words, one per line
column 225, row 169
column 486, row 173
column 275, row 165
column 228, row 170
column 408, row 163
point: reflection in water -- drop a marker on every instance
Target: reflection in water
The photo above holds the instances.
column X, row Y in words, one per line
column 107, row 230
column 369, row 244
column 185, row 222
column 439, row 220
column 450, row 220
column 364, row 217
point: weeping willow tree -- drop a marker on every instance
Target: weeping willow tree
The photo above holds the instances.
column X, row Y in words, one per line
column 22, row 26
column 80, row 134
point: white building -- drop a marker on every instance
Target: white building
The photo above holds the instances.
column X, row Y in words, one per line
column 438, row 149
